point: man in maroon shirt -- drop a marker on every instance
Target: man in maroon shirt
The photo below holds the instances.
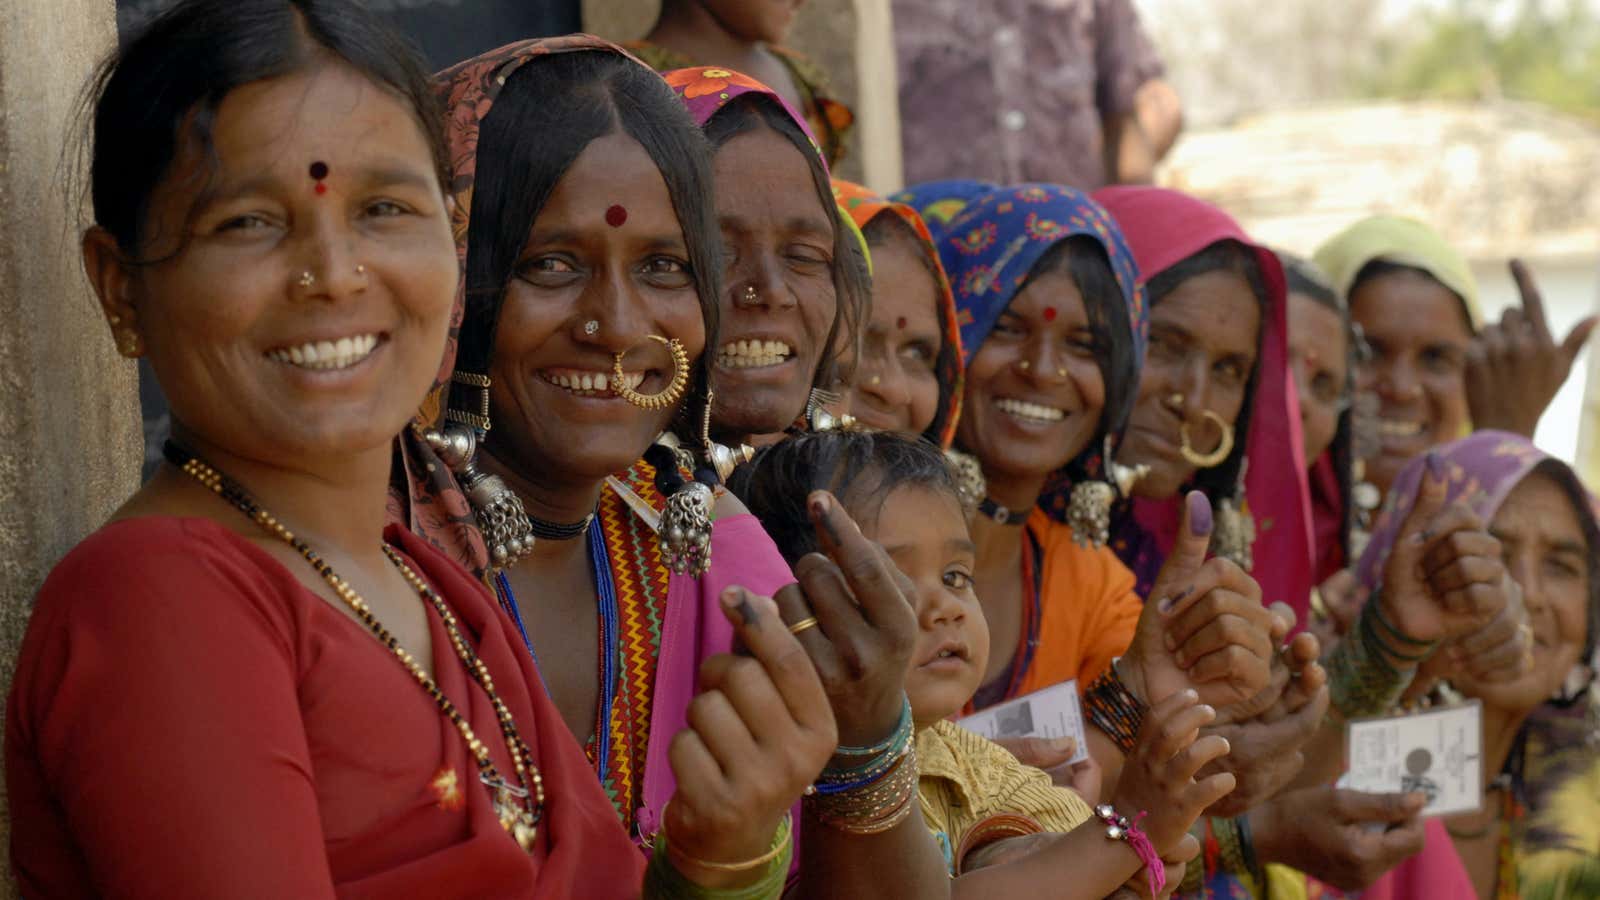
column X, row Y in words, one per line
column 1061, row 91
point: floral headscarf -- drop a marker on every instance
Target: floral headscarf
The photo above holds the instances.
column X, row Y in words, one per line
column 426, row 497
column 989, row 249
column 862, row 205
column 705, row 90
column 937, row 202
column 1165, row 227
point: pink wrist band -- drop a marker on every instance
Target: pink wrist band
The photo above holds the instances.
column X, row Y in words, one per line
column 1118, row 828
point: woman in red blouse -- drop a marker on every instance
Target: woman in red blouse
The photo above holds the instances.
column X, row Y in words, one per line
column 244, row 685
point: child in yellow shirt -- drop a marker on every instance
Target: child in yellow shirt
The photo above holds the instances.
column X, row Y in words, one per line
column 974, row 795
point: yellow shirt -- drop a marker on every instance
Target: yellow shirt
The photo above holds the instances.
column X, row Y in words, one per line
column 973, row 791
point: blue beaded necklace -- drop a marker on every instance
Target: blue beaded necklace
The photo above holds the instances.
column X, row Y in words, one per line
column 600, row 561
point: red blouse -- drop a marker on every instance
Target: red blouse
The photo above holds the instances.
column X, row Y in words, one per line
column 189, row 721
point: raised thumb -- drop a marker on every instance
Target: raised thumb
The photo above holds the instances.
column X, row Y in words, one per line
column 1188, row 550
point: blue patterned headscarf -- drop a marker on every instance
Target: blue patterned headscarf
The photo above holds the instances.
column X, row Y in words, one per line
column 937, row 202
column 990, row 248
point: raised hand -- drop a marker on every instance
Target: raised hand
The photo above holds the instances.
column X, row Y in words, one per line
column 1444, row 577
column 1160, row 777
column 1515, row 367
column 866, row 624
column 1341, row 597
column 1499, row 652
column 1268, row 745
column 1203, row 624
column 759, row 732
column 1345, row 838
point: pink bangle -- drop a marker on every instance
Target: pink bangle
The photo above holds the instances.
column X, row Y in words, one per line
column 1118, row 828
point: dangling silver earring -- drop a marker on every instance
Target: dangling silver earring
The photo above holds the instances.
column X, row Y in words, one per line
column 1089, row 506
column 504, row 523
column 723, row 459
column 1235, row 534
column 507, row 531
column 818, row 418
column 971, row 486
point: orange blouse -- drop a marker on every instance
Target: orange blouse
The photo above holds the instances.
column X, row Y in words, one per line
column 1088, row 609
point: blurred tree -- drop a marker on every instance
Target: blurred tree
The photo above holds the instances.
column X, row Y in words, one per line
column 1543, row 52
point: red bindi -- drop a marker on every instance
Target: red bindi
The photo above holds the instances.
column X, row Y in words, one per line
column 616, row 215
column 900, row 323
column 1049, row 313
column 319, row 171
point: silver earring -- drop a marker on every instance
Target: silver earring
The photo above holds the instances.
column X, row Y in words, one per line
column 971, row 487
column 818, row 418
column 507, row 531
column 1089, row 505
column 1235, row 534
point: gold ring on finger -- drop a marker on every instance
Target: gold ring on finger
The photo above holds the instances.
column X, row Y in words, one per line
column 803, row 624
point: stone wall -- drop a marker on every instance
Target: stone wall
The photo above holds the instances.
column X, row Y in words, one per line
column 68, row 403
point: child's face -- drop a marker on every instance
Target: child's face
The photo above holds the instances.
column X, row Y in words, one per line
column 925, row 532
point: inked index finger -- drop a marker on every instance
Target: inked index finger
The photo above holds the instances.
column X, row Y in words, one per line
column 756, row 622
column 1532, row 300
column 865, row 567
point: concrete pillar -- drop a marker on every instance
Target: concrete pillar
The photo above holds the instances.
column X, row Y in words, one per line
column 850, row 39
column 68, row 404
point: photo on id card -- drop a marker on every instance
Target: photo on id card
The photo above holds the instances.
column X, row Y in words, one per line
column 1053, row 712
column 1436, row 752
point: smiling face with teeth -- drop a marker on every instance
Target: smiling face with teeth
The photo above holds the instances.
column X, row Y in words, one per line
column 256, row 365
column 1034, row 389
column 1419, row 333
column 779, row 298
column 555, row 410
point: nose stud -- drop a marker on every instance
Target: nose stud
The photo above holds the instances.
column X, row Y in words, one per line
column 751, row 295
column 361, row 270
column 1061, row 372
column 1024, row 365
column 591, row 327
column 307, row 279
column 1176, row 399
column 875, row 380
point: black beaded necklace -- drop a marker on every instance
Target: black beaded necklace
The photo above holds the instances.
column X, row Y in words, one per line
column 520, row 806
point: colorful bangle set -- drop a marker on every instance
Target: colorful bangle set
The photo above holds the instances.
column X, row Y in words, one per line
column 875, row 795
column 1119, row 828
column 664, row 880
column 1361, row 679
column 1114, row 709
